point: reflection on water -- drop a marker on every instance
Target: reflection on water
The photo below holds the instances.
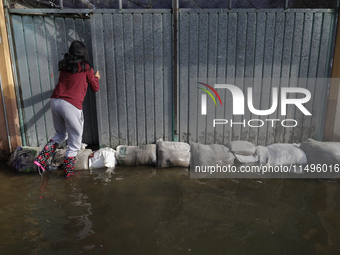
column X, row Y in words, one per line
column 143, row 210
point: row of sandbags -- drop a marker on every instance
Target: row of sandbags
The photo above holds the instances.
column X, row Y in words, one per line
column 163, row 154
column 22, row 159
column 308, row 152
column 180, row 154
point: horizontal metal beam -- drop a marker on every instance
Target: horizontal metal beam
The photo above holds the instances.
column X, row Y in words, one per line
column 85, row 11
column 274, row 10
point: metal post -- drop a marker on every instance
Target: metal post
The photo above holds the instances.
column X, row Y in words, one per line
column 61, row 4
column 120, row 2
column 286, row 4
column 175, row 122
column 230, row 4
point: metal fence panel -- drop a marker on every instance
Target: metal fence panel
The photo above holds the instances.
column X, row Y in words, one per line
column 134, row 53
column 40, row 43
column 229, row 47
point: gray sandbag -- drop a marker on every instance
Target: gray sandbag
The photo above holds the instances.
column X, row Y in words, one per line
column 262, row 154
column 82, row 160
column 246, row 159
column 172, row 154
column 241, row 147
column 22, row 159
column 321, row 152
column 210, row 155
column 136, row 155
column 58, row 159
column 286, row 154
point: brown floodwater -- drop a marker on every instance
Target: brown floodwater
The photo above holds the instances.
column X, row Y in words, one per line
column 144, row 210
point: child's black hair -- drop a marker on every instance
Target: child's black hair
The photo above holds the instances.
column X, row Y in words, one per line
column 76, row 53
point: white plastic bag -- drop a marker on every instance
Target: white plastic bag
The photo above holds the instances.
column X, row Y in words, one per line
column 105, row 157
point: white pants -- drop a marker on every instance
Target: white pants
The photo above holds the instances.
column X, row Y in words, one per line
column 68, row 122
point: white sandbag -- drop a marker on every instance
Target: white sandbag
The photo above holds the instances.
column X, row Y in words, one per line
column 82, row 160
column 210, row 155
column 22, row 159
column 262, row 154
column 241, row 147
column 246, row 159
column 105, row 157
column 321, row 152
column 136, row 155
column 171, row 154
column 286, row 154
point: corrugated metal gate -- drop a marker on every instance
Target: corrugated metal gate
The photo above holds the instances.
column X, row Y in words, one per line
column 134, row 50
column 40, row 43
column 230, row 46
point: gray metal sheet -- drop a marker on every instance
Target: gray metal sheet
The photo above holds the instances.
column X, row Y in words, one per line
column 158, row 74
column 183, row 77
column 320, row 93
column 249, row 68
column 149, row 77
column 202, row 56
column 90, row 99
column 240, row 37
column 211, row 72
column 139, row 78
column 278, row 58
column 133, row 52
column 35, row 97
column 24, row 81
column 43, row 64
column 221, row 71
column 231, row 77
column 39, row 44
column 306, row 130
column 229, row 46
column 120, row 76
column 194, row 103
column 266, row 99
column 110, row 117
column 168, row 94
column 130, row 79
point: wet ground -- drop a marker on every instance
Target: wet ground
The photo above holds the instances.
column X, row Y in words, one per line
column 144, row 210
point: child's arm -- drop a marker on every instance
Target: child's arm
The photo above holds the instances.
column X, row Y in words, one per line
column 93, row 80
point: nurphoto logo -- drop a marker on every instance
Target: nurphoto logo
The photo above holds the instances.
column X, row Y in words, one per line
column 239, row 104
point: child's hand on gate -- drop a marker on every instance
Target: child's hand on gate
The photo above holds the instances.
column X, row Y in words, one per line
column 97, row 75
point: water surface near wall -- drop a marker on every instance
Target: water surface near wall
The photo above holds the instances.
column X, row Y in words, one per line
column 144, row 210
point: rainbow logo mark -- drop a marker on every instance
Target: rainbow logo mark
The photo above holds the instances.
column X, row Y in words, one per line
column 204, row 97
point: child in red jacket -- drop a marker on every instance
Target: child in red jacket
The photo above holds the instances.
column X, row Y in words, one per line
column 67, row 99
